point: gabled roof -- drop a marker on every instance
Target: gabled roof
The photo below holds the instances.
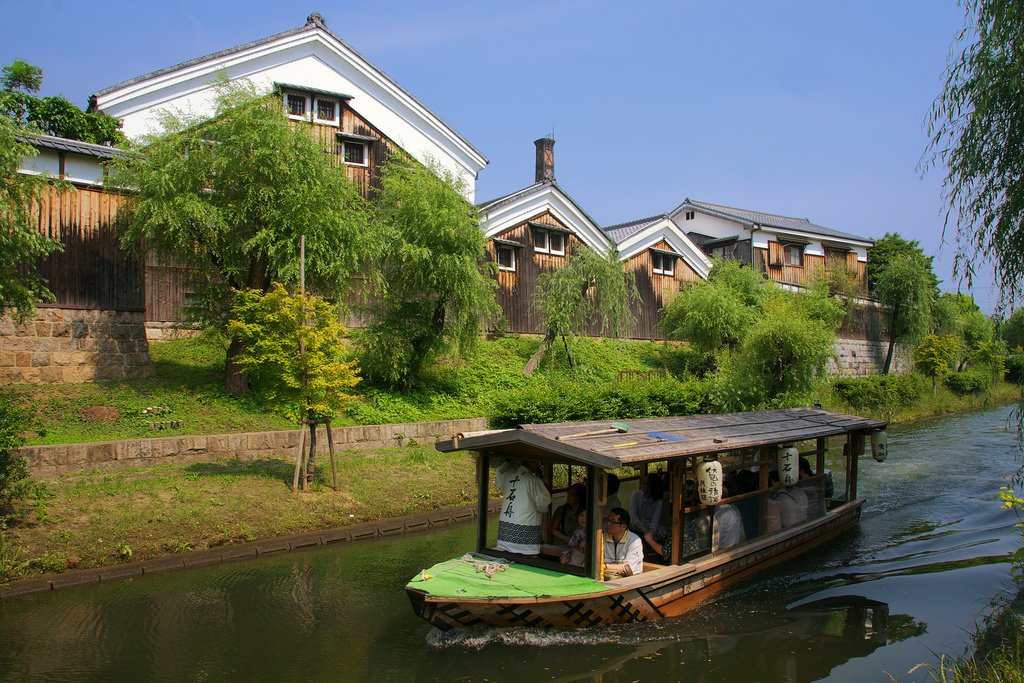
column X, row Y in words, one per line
column 398, row 109
column 505, row 212
column 767, row 220
column 635, row 236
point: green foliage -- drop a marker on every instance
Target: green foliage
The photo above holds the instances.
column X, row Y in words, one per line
column 934, row 355
column 232, row 195
column 13, row 470
column 877, row 391
column 274, row 327
column 430, row 293
column 51, row 115
column 887, row 249
column 590, row 289
column 906, row 289
column 718, row 312
column 969, row 382
column 571, row 400
column 977, row 134
column 20, row 240
column 1014, row 364
column 1012, row 330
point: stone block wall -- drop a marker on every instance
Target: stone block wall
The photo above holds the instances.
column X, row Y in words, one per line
column 58, row 460
column 60, row 345
column 863, row 357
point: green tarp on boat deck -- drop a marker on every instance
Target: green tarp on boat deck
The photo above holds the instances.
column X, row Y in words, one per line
column 459, row 579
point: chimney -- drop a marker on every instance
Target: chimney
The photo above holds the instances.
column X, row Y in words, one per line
column 545, row 159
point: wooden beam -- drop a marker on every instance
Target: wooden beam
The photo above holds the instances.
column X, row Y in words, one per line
column 483, row 484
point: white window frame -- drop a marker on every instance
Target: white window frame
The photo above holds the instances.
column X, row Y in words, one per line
column 664, row 260
column 547, row 247
column 793, row 249
column 366, row 152
column 288, row 107
column 512, row 254
column 315, row 111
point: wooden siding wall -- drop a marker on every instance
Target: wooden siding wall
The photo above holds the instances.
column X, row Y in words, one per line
column 93, row 271
column 771, row 261
column 517, row 288
column 656, row 290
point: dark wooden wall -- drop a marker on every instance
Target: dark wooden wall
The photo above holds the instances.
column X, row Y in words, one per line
column 771, row 261
column 93, row 271
column 656, row 290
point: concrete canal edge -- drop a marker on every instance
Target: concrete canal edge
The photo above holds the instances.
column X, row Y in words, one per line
column 367, row 531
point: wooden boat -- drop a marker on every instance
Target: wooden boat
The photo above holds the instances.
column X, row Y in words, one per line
column 538, row 591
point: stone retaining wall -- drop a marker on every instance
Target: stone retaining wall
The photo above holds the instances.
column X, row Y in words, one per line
column 58, row 460
column 60, row 345
column 861, row 357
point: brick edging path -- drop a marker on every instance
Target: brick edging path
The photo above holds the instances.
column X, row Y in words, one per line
column 366, row 531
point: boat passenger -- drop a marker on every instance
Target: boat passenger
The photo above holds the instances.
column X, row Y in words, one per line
column 612, row 501
column 623, row 550
column 790, row 504
column 645, row 506
column 563, row 522
column 573, row 554
column 526, row 497
column 749, row 508
column 813, row 490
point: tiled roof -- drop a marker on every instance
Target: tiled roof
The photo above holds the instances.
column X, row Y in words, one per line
column 74, row 146
column 533, row 189
column 622, row 231
column 772, row 220
column 313, row 22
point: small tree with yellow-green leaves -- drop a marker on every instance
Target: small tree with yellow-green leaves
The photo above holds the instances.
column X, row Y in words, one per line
column 273, row 325
column 934, row 355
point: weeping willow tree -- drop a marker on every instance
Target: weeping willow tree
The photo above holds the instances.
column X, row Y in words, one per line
column 590, row 289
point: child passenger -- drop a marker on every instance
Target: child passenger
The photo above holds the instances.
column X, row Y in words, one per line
column 573, row 552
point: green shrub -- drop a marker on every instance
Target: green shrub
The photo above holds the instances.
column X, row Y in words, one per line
column 1015, row 364
column 568, row 401
column 969, row 382
column 13, row 470
column 881, row 390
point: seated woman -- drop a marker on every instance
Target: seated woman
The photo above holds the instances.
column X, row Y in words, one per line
column 574, row 549
column 645, row 507
column 563, row 522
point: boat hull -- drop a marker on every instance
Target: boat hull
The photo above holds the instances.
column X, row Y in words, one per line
column 650, row 596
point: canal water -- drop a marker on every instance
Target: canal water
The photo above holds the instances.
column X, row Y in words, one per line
column 922, row 568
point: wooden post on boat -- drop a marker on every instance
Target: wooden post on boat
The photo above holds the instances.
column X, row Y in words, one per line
column 299, row 454
column 819, row 466
column 483, row 482
column 593, row 550
column 856, row 450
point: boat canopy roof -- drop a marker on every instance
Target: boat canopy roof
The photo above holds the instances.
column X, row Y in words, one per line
column 610, row 444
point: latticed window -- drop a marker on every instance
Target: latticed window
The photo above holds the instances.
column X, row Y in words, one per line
column 325, row 109
column 354, row 153
column 296, row 105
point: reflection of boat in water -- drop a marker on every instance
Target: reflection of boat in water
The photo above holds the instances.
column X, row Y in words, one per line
column 804, row 643
column 538, row 591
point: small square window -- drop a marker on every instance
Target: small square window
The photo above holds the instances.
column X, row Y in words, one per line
column 327, row 110
column 296, row 105
column 663, row 264
column 689, row 215
column 540, row 241
column 506, row 258
column 556, row 243
column 354, row 153
column 793, row 255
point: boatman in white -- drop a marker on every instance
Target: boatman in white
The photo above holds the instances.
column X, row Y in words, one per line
column 623, row 550
column 526, row 500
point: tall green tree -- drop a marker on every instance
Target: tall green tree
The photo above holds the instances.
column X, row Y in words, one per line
column 590, row 289
column 977, row 133
column 431, row 289
column 905, row 288
column 21, row 242
column 54, row 115
column 230, row 197
column 889, row 247
column 959, row 316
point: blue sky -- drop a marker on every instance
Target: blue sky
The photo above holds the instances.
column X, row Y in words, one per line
column 810, row 109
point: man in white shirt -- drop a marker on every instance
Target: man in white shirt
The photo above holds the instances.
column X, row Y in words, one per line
column 623, row 550
column 526, row 499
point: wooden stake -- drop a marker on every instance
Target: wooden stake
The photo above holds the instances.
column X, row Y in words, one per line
column 298, row 455
column 330, row 447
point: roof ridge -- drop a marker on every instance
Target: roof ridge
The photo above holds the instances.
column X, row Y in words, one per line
column 634, row 222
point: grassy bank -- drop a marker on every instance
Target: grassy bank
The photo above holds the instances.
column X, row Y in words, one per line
column 95, row 519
